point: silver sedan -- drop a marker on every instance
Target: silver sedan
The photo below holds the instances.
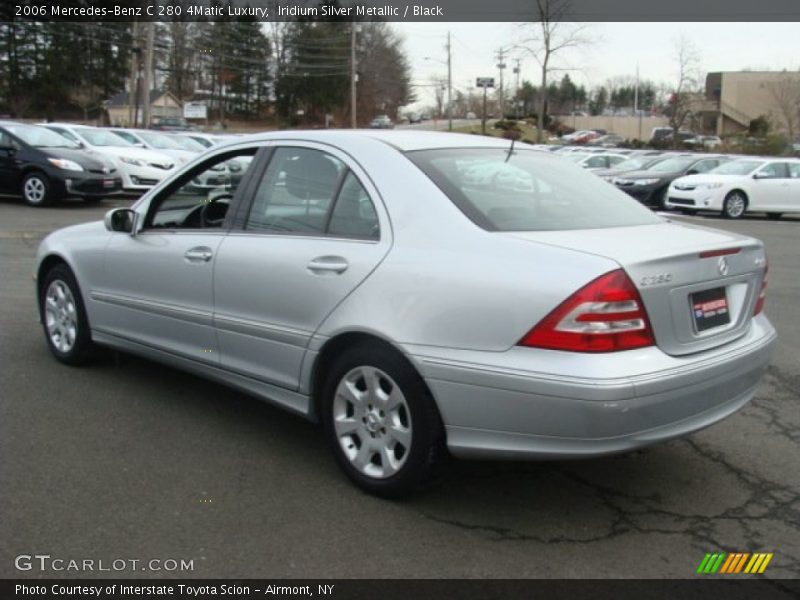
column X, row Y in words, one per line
column 373, row 282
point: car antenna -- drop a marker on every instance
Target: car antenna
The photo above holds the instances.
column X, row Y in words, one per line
column 511, row 150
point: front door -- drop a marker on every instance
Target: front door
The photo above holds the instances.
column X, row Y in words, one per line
column 157, row 286
column 770, row 187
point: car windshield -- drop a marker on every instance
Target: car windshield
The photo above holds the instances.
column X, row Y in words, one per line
column 40, row 137
column 160, row 141
column 527, row 191
column 99, row 137
column 188, row 143
column 737, row 167
column 671, row 165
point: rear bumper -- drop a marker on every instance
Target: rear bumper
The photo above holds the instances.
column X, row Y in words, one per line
column 582, row 405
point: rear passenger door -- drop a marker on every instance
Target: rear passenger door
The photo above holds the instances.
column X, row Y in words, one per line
column 313, row 231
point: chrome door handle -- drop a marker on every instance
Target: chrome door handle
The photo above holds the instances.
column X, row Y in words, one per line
column 328, row 264
column 199, row 254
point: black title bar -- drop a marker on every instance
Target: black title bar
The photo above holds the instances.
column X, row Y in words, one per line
column 403, row 11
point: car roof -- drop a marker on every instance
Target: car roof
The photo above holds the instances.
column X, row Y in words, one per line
column 402, row 140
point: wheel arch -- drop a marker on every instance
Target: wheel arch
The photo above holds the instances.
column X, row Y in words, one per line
column 742, row 191
column 333, row 347
column 48, row 262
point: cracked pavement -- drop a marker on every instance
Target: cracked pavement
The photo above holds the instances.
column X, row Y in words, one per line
column 130, row 459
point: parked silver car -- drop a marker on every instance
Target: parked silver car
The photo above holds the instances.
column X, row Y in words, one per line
column 369, row 280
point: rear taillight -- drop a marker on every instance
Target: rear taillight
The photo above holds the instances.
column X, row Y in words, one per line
column 762, row 294
column 607, row 315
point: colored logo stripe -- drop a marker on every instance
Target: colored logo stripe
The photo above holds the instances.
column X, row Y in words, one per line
column 734, row 562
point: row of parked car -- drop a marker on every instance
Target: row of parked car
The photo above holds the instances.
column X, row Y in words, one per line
column 54, row 160
column 729, row 184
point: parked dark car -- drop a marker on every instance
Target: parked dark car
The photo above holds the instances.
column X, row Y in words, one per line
column 44, row 166
column 171, row 124
column 634, row 163
column 649, row 186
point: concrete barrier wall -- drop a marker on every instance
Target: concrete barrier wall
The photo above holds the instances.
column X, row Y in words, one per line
column 628, row 127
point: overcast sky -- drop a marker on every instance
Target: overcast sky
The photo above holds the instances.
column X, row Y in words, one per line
column 616, row 51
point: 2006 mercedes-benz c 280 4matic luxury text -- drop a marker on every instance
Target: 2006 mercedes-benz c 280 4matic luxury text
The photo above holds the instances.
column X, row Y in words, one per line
column 422, row 292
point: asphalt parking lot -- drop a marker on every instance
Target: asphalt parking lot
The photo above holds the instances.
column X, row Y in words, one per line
column 129, row 459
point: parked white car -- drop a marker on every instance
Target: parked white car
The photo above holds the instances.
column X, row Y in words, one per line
column 140, row 168
column 156, row 140
column 770, row 185
column 709, row 142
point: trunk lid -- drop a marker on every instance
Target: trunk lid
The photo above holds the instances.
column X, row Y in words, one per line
column 665, row 264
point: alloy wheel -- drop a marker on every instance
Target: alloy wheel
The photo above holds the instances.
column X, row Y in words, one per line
column 34, row 190
column 735, row 206
column 372, row 421
column 61, row 316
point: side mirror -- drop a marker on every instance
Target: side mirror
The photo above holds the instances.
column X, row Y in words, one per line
column 692, row 172
column 8, row 150
column 122, row 220
column 760, row 175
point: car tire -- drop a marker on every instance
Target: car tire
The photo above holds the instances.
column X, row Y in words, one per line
column 63, row 316
column 381, row 422
column 36, row 189
column 735, row 205
column 774, row 216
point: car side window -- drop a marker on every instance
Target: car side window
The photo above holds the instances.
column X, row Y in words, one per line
column 200, row 198
column 776, row 170
column 354, row 214
column 794, row 170
column 296, row 192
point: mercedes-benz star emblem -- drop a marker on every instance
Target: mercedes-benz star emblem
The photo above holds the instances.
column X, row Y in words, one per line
column 722, row 265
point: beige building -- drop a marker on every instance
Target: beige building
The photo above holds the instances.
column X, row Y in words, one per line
column 162, row 104
column 734, row 98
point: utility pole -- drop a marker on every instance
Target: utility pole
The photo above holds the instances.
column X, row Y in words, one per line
column 133, row 88
column 148, row 73
column 353, row 76
column 517, row 72
column 449, row 86
column 501, row 66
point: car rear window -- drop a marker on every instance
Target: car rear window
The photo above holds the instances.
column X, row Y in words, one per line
column 526, row 190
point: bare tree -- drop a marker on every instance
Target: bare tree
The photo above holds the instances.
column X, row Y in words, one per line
column 86, row 97
column 551, row 37
column 785, row 94
column 685, row 93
